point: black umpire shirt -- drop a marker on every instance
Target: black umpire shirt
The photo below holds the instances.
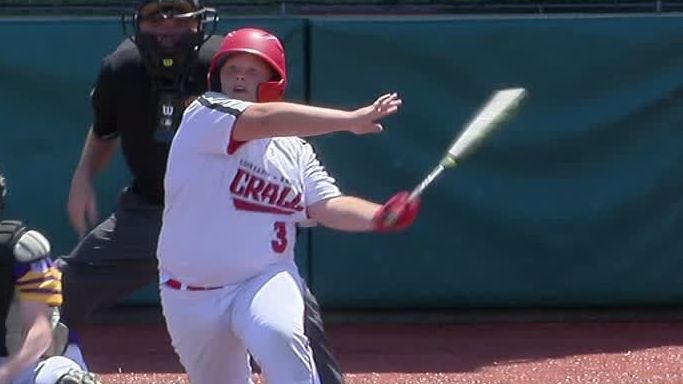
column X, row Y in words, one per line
column 127, row 104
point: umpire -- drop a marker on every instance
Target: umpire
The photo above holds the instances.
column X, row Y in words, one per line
column 138, row 100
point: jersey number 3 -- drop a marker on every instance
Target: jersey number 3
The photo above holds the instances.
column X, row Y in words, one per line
column 280, row 243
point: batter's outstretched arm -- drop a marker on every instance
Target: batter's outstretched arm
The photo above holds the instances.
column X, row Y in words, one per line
column 345, row 213
column 280, row 119
column 348, row 213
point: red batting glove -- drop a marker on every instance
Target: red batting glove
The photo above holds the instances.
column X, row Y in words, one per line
column 400, row 210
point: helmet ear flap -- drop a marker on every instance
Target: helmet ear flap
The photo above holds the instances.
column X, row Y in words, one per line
column 271, row 91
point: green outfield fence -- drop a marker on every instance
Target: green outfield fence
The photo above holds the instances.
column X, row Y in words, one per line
column 578, row 202
column 341, row 7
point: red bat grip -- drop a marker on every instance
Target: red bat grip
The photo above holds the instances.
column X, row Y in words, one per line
column 397, row 213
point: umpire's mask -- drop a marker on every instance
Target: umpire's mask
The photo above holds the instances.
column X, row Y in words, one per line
column 168, row 34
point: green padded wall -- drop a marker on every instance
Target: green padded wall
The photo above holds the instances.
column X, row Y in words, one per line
column 576, row 202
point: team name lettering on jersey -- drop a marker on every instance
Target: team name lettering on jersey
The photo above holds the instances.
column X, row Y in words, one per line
column 258, row 194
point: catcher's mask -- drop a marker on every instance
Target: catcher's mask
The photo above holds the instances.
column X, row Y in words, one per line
column 170, row 55
column 257, row 42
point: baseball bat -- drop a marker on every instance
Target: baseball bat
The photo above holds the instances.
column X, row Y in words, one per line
column 490, row 116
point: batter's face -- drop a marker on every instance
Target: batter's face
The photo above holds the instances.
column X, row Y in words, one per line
column 241, row 75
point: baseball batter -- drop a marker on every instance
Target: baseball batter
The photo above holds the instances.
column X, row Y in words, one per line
column 238, row 166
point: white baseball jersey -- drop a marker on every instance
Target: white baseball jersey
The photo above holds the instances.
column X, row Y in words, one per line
column 230, row 207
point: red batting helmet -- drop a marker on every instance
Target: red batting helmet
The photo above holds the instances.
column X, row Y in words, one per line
column 260, row 43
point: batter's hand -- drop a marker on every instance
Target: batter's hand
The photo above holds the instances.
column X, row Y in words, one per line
column 404, row 213
column 366, row 118
column 82, row 205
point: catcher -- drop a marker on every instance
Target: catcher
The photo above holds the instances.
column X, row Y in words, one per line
column 33, row 350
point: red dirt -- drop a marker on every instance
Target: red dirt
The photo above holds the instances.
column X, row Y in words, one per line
column 566, row 353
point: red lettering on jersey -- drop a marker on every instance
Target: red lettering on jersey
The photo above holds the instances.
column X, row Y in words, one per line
column 270, row 192
column 243, row 205
column 250, row 190
column 255, row 185
column 294, row 203
column 283, row 196
column 237, row 186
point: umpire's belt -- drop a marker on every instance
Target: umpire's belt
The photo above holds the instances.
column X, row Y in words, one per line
column 175, row 284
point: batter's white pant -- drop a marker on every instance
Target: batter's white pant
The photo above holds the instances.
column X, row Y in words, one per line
column 212, row 330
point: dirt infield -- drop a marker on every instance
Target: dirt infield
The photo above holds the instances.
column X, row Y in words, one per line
column 548, row 353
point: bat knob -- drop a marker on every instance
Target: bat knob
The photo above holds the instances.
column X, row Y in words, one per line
column 390, row 219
